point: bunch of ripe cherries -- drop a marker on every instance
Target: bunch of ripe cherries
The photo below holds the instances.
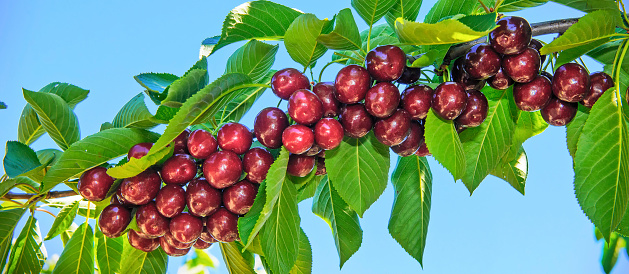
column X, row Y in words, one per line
column 195, row 198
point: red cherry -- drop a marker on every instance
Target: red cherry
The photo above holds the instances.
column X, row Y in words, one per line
column 113, row 220
column 139, row 150
column 186, row 228
column 394, row 129
column 223, row 226
column 386, row 63
column 179, row 169
column 298, row 139
column 181, row 142
column 325, row 91
column 235, row 137
column 300, row 165
column 382, row 99
column 356, row 121
column 239, row 198
column 201, row 198
column 170, row 200
column 411, row 144
column 172, row 251
column 287, row 81
column 256, row 164
column 416, row 100
column 150, row 222
column 139, row 243
column 222, row 169
column 305, row 107
column 95, row 183
column 201, row 144
column 351, row 84
column 269, row 125
column 142, row 188
column 328, row 133
column 200, row 244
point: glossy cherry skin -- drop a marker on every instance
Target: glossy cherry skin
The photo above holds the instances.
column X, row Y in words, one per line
column 482, row 62
column 150, row 221
column 181, row 142
column 449, row 100
column 558, row 112
column 298, row 139
column 410, row 75
column 235, row 137
column 416, row 100
column 186, row 228
column 512, row 35
column 222, row 169
column 113, row 220
column 201, row 198
column 238, row 198
column 142, row 188
column 351, row 84
column 461, row 76
column 386, row 63
column 95, row 183
column 200, row 244
column 475, row 110
column 256, row 164
column 328, row 133
column 410, row 145
column 500, row 81
column 201, row 144
column 179, row 169
column 223, row 226
column 300, row 165
column 534, row 95
column 305, row 107
column 599, row 83
column 571, row 82
column 325, row 91
column 287, row 81
column 356, row 121
column 172, row 251
column 537, row 45
column 139, row 150
column 523, row 67
column 382, row 100
column 139, row 243
column 393, row 130
column 168, row 237
column 170, row 200
column 269, row 125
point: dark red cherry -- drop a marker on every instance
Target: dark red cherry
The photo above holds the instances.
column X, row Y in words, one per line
column 512, row 35
column 481, row 62
column 181, row 142
column 95, row 183
column 382, row 100
column 351, row 84
column 256, row 164
column 300, row 165
column 537, row 45
column 393, row 130
column 234, row 137
column 461, row 76
column 325, row 91
column 410, row 145
column 500, row 81
column 599, row 83
column 179, row 169
column 168, row 237
column 287, row 81
column 142, row 188
column 269, row 125
column 386, row 63
column 558, row 112
column 522, row 67
column 416, row 100
column 410, row 75
column 222, row 169
column 423, row 150
column 186, row 228
column 571, row 82
column 200, row 244
column 239, row 198
column 328, row 133
column 150, row 221
column 201, row 198
column 305, row 107
column 170, row 200
column 449, row 100
column 534, row 95
column 201, row 144
column 298, row 139
column 139, row 150
column 356, row 121
column 113, row 220
column 172, row 251
column 223, row 226
column 475, row 110
column 139, row 243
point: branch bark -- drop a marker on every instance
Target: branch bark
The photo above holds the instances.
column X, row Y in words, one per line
column 49, row 195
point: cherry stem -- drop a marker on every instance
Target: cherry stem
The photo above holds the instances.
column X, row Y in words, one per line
column 49, row 195
column 484, row 7
column 43, row 210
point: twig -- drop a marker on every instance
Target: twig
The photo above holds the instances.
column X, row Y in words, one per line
column 46, row 211
column 49, row 195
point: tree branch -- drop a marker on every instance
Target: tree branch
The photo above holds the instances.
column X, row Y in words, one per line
column 49, row 195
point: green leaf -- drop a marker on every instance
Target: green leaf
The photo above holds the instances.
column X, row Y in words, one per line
column 94, row 150
column 56, row 116
column 308, row 190
column 20, row 182
column 343, row 221
column 136, row 166
column 63, row 220
column 155, row 82
column 371, row 11
column 358, row 169
column 446, row 8
column 8, row 222
column 515, row 171
column 137, row 261
column 528, row 124
column 611, row 251
column 601, row 164
column 186, row 86
column 516, row 5
column 301, row 39
column 19, row 159
column 345, row 34
column 303, row 265
column 592, row 27
column 3, row 105
column 208, row 45
column 575, row 128
column 247, row 223
column 164, row 114
column 26, row 253
column 108, row 253
column 445, row 145
column 480, row 22
column 237, row 108
column 412, row 180
column 571, row 54
column 254, row 59
column 606, row 54
column 237, row 262
column 78, row 254
column 445, row 32
column 134, row 114
column 589, row 5
column 261, row 20
column 406, row 9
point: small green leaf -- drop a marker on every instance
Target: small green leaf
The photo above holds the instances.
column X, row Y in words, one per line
column 26, row 253
column 20, row 182
column 19, row 159
column 134, row 114
column 63, row 221
column 186, row 86
column 164, row 114
column 137, row 261
column 237, row 262
column 590, row 28
column 445, row 145
column 78, row 254
column 611, row 250
column 482, row 22
column 301, row 39
column 254, row 59
column 571, row 54
column 108, row 253
column 56, row 117
column 516, row 5
column 445, row 32
column 208, row 45
column 3, row 105
column 406, row 9
column 528, row 124
column 575, row 128
column 8, row 222
column 446, row 8
column 515, row 171
column 606, row 54
column 303, row 265
column 345, row 34
column 308, row 190
column 155, row 82
column 589, row 5
column 371, row 11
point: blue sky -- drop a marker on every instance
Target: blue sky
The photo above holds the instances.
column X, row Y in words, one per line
column 100, row 46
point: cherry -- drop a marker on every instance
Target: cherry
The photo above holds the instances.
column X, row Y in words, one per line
column 386, row 63
column 95, row 183
column 287, row 81
column 410, row 145
column 113, row 220
column 142, row 188
column 410, row 75
column 168, row 237
column 298, row 139
column 512, row 35
column 461, row 76
column 321, row 166
column 269, row 125
column 356, row 121
column 522, row 67
column 201, row 144
column 256, row 164
column 150, row 222
column 179, row 169
column 181, row 142
column 222, row 169
column 571, row 82
column 205, row 235
column 325, row 91
column 481, row 62
column 558, row 112
column 500, row 81
column 140, row 243
column 300, row 165
column 328, row 133
column 200, row 244
column 537, row 45
column 170, row 200
column 305, row 107
column 239, row 198
column 201, row 198
column 416, row 100
column 599, row 83
column 382, row 99
column 172, row 251
column 534, row 95
column 475, row 110
column 223, row 226
column 351, row 84
column 186, row 228
column 235, row 137
column 393, row 130
column 423, row 150
column 139, row 150
column 449, row 100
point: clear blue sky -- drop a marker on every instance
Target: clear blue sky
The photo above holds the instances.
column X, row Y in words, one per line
column 100, row 46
